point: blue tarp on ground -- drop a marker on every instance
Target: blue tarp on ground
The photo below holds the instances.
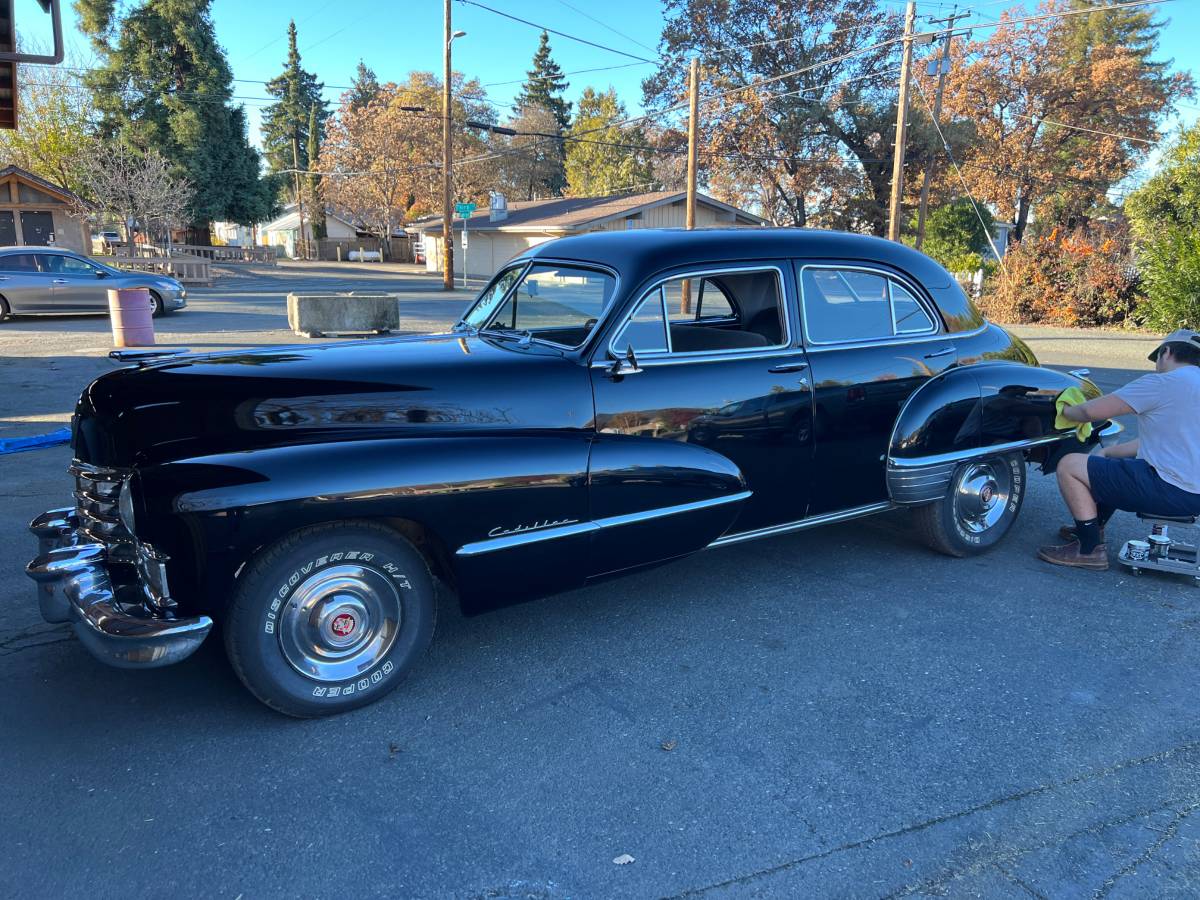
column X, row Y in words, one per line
column 35, row 442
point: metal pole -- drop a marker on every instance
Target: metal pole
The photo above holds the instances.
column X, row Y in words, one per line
column 447, row 153
column 943, row 71
column 465, row 252
column 299, row 196
column 910, row 15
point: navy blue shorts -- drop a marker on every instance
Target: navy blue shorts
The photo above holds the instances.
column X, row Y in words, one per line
column 1134, row 486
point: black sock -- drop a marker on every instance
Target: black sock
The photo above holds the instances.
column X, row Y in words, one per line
column 1104, row 513
column 1088, row 532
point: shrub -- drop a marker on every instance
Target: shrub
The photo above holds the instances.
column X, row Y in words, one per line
column 1073, row 279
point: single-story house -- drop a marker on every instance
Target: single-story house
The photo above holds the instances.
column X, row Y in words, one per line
column 284, row 231
column 496, row 235
column 36, row 212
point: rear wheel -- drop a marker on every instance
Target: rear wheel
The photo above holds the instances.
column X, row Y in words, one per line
column 330, row 618
column 984, row 500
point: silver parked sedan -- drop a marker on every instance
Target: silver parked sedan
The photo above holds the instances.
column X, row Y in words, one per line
column 48, row 280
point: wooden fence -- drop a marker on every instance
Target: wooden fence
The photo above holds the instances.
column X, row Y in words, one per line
column 226, row 254
column 187, row 270
column 398, row 249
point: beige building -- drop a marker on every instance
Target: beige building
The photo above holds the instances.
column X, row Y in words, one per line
column 34, row 212
column 496, row 235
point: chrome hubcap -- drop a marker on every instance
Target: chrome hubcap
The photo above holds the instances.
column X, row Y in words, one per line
column 339, row 622
column 981, row 494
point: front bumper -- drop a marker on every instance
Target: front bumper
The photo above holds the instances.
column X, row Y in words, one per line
column 117, row 615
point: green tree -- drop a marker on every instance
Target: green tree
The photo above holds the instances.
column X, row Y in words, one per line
column 163, row 83
column 606, row 158
column 363, row 89
column 1165, row 215
column 955, row 236
column 298, row 105
column 544, row 87
column 55, row 127
column 313, row 181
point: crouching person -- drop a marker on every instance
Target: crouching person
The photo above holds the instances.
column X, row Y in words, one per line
column 1159, row 473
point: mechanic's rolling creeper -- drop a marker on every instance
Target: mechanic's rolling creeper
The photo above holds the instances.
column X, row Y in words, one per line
column 1160, row 552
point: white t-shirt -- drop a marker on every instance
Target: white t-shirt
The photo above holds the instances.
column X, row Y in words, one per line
column 1168, row 411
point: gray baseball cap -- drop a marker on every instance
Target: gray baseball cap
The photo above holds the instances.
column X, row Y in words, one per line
column 1181, row 336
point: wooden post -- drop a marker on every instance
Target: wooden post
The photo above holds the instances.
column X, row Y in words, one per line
column 910, row 16
column 685, row 302
column 943, row 71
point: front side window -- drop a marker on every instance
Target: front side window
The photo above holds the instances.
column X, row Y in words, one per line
column 843, row 305
column 558, row 304
column 67, row 265
column 711, row 313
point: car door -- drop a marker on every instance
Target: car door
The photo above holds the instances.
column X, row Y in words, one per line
column 24, row 285
column 78, row 285
column 873, row 337
column 685, row 449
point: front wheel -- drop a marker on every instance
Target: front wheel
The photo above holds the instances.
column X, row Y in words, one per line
column 330, row 618
column 984, row 500
column 157, row 307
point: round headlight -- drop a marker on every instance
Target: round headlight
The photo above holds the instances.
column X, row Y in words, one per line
column 125, row 505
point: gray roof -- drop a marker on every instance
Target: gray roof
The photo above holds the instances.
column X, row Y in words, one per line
column 570, row 214
column 63, row 193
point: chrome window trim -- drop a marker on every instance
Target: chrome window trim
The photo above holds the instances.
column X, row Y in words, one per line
column 700, row 355
column 529, row 263
column 896, row 342
column 888, row 276
column 505, row 542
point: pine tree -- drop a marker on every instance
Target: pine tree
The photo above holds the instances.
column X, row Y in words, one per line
column 285, row 123
column 544, row 88
column 163, row 83
column 364, row 88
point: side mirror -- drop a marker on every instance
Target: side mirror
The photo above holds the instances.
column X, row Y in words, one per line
column 100, row 273
column 627, row 365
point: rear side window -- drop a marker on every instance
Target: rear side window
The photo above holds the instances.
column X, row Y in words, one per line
column 845, row 304
column 19, row 262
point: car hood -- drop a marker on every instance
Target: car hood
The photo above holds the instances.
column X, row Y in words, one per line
column 418, row 386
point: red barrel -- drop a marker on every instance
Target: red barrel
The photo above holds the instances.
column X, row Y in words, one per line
column 131, row 312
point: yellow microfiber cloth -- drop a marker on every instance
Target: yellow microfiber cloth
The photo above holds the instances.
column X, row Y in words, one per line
column 1072, row 396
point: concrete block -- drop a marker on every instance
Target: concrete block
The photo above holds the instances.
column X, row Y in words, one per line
column 315, row 315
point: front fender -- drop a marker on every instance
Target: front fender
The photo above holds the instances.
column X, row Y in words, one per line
column 973, row 411
column 217, row 511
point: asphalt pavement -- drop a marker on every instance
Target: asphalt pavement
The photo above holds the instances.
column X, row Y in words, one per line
column 838, row 712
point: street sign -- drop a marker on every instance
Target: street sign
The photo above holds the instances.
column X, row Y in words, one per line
column 464, row 210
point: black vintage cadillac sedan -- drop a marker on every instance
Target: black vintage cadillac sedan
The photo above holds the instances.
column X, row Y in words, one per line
column 608, row 402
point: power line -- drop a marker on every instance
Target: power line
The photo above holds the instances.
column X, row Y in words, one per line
column 605, row 25
column 562, row 34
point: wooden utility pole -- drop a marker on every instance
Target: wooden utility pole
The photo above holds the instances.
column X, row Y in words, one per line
column 910, row 16
column 299, row 196
column 685, row 302
column 943, row 71
column 447, row 154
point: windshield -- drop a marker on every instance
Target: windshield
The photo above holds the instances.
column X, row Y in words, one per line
column 554, row 303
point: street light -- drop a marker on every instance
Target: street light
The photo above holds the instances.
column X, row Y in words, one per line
column 447, row 161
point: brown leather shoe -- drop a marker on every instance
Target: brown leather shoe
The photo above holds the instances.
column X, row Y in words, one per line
column 1069, row 555
column 1067, row 533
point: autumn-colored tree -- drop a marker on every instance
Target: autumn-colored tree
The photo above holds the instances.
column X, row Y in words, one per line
column 383, row 159
column 602, row 156
column 1059, row 114
column 814, row 142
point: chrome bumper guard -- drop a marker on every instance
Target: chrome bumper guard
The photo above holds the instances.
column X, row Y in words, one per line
column 74, row 585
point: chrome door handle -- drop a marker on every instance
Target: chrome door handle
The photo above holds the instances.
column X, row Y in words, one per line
column 945, row 351
column 788, row 367
column 59, row 281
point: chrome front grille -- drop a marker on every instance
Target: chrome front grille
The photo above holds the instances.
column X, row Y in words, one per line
column 97, row 490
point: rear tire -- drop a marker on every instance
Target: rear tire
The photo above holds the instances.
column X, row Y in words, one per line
column 330, row 618
column 983, row 501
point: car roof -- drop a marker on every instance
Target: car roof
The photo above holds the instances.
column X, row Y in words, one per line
column 642, row 252
column 35, row 249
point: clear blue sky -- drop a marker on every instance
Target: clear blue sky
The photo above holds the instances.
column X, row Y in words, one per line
column 394, row 39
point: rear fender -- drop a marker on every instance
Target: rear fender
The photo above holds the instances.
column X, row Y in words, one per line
column 970, row 412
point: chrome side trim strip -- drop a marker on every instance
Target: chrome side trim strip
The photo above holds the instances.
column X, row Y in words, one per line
column 505, row 542
column 976, row 452
column 803, row 524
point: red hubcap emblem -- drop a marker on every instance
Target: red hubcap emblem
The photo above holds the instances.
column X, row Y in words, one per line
column 343, row 624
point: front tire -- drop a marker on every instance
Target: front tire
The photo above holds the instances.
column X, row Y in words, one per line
column 983, row 501
column 330, row 618
column 5, row 311
column 157, row 307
